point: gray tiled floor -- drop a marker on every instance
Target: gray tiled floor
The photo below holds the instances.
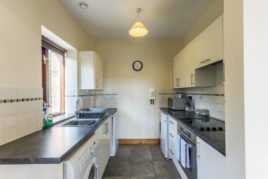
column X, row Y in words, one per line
column 140, row 162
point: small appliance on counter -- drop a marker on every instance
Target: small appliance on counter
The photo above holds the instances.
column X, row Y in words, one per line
column 177, row 103
column 202, row 112
column 189, row 104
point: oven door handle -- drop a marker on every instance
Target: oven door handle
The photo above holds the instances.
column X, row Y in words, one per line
column 185, row 136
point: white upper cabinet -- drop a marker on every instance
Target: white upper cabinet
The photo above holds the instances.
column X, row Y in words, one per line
column 209, row 44
column 205, row 49
column 91, row 71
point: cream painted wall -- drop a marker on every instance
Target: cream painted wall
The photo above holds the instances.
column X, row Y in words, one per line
column 234, row 89
column 137, row 118
column 20, row 60
column 20, row 34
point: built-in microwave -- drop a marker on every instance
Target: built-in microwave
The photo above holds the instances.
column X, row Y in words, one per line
column 177, row 103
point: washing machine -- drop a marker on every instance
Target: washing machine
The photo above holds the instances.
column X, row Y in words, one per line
column 83, row 164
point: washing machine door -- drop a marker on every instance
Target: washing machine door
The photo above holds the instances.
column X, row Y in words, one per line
column 92, row 171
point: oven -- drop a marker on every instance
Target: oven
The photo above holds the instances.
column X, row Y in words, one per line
column 186, row 151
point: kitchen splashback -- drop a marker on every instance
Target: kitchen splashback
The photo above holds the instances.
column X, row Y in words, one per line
column 20, row 112
column 94, row 98
column 211, row 98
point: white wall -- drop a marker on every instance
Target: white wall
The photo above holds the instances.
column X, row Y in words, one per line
column 71, row 81
column 20, row 59
column 20, row 35
column 256, row 87
column 137, row 118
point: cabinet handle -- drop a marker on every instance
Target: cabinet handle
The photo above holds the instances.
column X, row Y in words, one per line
column 106, row 128
column 177, row 82
column 192, row 79
column 171, row 122
column 171, row 151
column 171, row 135
column 198, row 149
column 205, row 61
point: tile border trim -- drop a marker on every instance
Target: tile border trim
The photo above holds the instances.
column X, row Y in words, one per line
column 82, row 95
column 199, row 94
column 4, row 101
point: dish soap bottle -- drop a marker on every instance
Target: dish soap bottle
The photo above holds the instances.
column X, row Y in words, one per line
column 48, row 117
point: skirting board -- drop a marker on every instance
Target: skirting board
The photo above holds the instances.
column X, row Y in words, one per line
column 139, row 141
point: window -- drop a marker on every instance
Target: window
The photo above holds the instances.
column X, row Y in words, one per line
column 53, row 81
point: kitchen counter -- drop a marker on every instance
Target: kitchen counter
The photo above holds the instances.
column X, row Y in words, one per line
column 214, row 139
column 49, row 146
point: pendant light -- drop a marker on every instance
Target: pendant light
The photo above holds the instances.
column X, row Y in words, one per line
column 138, row 29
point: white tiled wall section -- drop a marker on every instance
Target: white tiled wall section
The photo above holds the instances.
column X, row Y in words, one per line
column 70, row 100
column 99, row 99
column 18, row 119
column 107, row 101
column 215, row 104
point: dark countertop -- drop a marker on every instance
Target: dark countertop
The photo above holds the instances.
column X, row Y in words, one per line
column 49, row 146
column 214, row 139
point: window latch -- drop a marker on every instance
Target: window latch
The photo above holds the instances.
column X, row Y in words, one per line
column 45, row 59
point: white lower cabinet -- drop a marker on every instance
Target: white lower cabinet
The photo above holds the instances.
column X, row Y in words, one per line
column 104, row 136
column 210, row 163
column 172, row 132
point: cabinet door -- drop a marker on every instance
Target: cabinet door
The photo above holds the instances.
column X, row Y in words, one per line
column 188, row 66
column 177, row 65
column 98, row 72
column 172, row 131
column 210, row 163
column 183, row 68
column 209, row 44
column 87, row 73
column 91, row 70
column 103, row 145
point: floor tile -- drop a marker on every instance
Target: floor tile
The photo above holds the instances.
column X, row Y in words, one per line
column 140, row 162
column 142, row 177
column 140, row 147
column 169, row 177
column 123, row 153
column 139, row 155
column 142, row 169
column 157, row 155
column 164, row 168
column 117, row 168
column 115, row 177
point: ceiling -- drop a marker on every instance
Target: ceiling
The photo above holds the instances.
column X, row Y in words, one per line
column 111, row 19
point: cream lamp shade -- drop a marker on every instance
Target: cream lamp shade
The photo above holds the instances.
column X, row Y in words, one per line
column 138, row 29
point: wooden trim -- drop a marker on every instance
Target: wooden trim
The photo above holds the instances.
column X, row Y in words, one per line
column 45, row 79
column 63, row 85
column 139, row 141
column 53, row 46
column 44, row 74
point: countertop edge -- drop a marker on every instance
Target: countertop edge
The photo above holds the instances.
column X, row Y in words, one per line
column 219, row 149
column 60, row 159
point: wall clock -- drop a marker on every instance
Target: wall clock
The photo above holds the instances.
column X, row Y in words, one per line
column 137, row 65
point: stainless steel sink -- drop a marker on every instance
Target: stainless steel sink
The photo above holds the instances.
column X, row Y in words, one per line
column 79, row 122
